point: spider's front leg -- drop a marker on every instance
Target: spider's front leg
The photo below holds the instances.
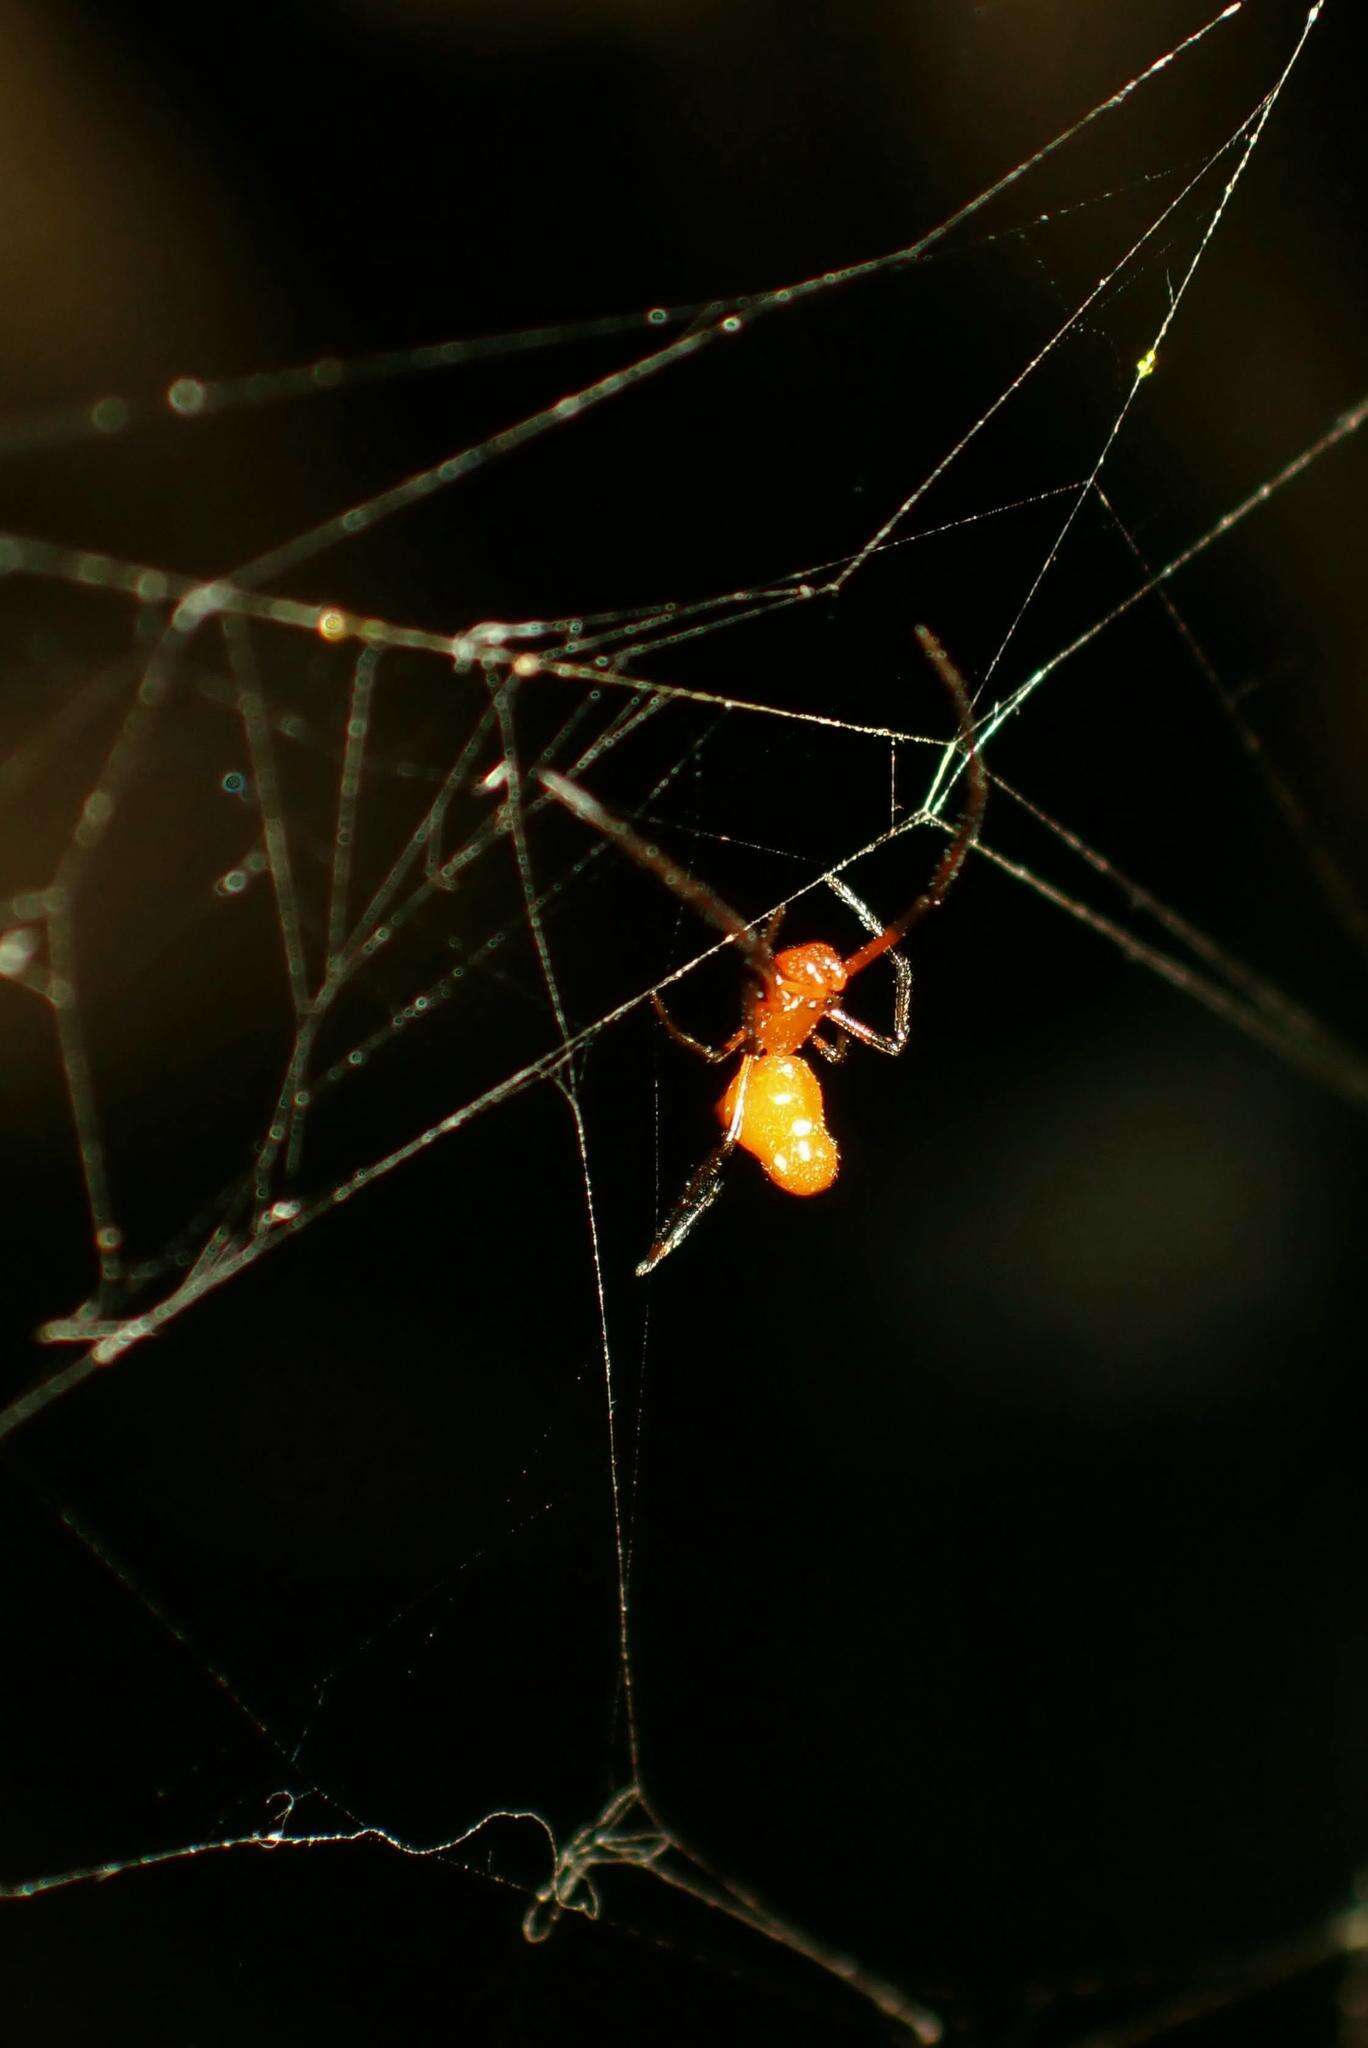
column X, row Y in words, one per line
column 713, row 1054
column 892, row 1042
column 702, row 1189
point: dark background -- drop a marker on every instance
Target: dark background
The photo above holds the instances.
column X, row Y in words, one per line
column 997, row 1522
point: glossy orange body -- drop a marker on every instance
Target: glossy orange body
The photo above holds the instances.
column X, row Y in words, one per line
column 783, row 1122
column 784, row 1013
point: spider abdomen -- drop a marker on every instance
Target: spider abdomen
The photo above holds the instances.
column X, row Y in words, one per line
column 783, row 1122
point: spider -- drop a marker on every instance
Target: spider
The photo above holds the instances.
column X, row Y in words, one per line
column 773, row 1105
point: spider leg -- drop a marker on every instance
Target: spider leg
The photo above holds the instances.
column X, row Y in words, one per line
column 839, row 886
column 699, row 897
column 713, row 1054
column 892, row 1042
column 896, row 1040
column 701, row 1190
column 769, row 931
column 971, row 817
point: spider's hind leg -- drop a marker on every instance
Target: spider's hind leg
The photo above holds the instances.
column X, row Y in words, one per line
column 701, row 1190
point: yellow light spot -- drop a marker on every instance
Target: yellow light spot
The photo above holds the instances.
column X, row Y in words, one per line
column 333, row 625
column 1146, row 365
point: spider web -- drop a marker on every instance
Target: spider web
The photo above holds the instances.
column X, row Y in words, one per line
column 318, row 958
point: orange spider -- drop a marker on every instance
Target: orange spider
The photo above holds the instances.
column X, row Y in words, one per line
column 773, row 1105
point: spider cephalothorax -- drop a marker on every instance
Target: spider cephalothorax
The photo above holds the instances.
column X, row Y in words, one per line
column 782, row 1014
